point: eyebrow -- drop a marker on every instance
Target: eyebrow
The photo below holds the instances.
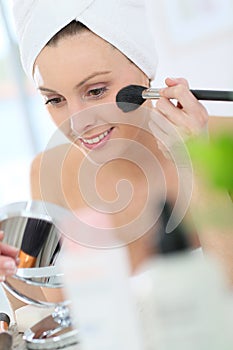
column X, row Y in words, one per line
column 93, row 75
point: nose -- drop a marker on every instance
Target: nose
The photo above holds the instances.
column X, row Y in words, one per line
column 74, row 106
column 86, row 117
column 82, row 119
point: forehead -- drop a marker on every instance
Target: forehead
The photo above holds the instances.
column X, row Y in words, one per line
column 81, row 53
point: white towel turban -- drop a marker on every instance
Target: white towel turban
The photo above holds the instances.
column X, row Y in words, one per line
column 123, row 23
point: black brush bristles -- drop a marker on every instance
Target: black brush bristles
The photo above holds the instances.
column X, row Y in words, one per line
column 130, row 98
column 35, row 235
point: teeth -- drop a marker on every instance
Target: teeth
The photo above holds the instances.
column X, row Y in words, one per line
column 97, row 138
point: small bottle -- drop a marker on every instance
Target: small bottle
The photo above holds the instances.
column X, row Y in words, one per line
column 183, row 298
column 5, row 336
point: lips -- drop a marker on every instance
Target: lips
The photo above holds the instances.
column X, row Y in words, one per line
column 96, row 140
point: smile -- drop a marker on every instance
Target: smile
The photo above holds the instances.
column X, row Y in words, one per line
column 97, row 139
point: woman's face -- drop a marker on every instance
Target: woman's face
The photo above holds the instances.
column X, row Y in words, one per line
column 79, row 76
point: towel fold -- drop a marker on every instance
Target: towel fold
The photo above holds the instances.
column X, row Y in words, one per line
column 123, row 23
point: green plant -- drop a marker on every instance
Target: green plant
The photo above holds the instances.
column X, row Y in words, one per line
column 214, row 159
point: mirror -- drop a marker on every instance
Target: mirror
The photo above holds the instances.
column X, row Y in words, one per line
column 16, row 220
column 27, row 226
column 32, row 226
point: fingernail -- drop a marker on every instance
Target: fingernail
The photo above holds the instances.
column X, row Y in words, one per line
column 2, row 278
column 11, row 271
column 9, row 265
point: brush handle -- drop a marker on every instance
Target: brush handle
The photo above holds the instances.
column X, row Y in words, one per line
column 4, row 322
column 26, row 260
column 208, row 95
column 213, row 95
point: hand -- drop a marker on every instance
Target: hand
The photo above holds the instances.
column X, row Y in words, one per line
column 186, row 119
column 8, row 259
column 190, row 116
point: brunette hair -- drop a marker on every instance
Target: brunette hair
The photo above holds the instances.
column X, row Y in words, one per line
column 70, row 29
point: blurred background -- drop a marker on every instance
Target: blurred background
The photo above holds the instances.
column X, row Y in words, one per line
column 25, row 127
column 194, row 40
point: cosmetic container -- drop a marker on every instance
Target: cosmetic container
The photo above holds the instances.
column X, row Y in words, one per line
column 5, row 336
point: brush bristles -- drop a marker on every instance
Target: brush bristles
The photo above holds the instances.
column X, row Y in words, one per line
column 130, row 98
column 35, row 235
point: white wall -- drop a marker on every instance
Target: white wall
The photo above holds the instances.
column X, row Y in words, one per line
column 194, row 39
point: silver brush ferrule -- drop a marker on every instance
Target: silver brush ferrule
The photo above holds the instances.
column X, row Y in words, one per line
column 151, row 93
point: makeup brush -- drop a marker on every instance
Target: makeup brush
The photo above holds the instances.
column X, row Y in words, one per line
column 35, row 234
column 5, row 336
column 132, row 96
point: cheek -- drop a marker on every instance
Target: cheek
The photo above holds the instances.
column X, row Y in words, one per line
column 128, row 132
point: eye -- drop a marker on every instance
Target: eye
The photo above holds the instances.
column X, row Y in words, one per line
column 97, row 92
column 55, row 101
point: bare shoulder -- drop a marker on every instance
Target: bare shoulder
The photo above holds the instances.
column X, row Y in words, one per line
column 50, row 168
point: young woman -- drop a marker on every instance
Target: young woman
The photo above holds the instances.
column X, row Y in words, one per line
column 80, row 56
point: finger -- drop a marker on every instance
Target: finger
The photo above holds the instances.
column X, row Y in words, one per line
column 189, row 123
column 176, row 116
column 175, row 81
column 161, row 122
column 7, row 266
column 1, row 235
column 183, row 95
column 9, row 250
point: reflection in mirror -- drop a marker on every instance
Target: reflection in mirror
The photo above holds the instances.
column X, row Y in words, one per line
column 28, row 226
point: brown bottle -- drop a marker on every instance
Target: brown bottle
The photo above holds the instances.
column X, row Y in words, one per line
column 5, row 336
